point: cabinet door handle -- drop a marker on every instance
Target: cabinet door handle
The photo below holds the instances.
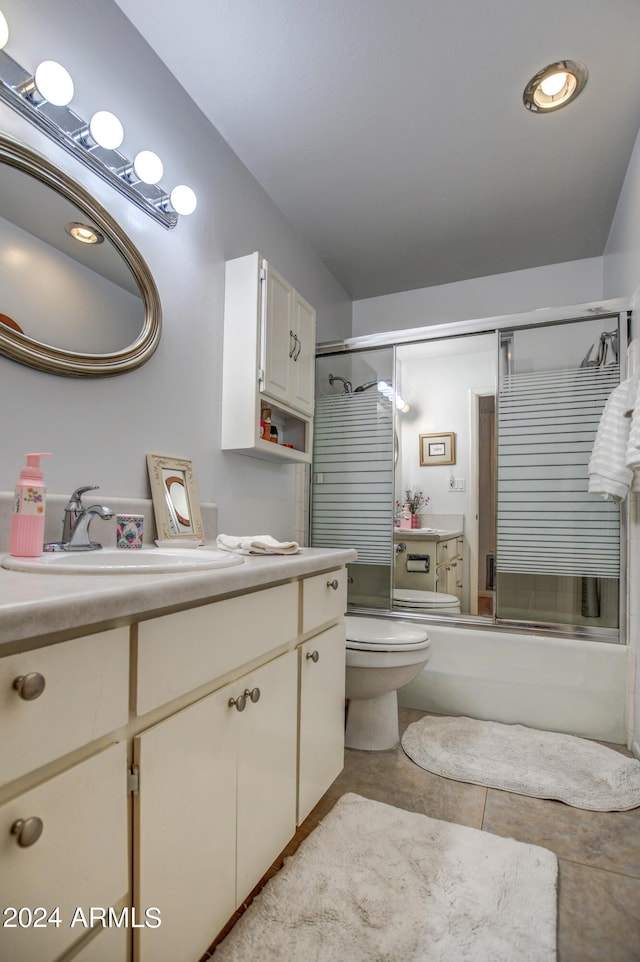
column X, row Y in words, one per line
column 333, row 584
column 27, row 830
column 295, row 342
column 299, row 347
column 253, row 694
column 240, row 702
column 313, row 655
column 29, row 686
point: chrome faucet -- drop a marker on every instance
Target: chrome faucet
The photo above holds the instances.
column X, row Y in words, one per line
column 77, row 518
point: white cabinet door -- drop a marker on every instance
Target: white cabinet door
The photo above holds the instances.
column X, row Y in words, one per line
column 80, row 859
column 266, row 745
column 185, row 830
column 321, row 745
column 278, row 340
column 289, row 344
column 303, row 359
column 216, row 805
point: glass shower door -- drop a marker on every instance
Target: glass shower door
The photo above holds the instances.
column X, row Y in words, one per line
column 352, row 468
column 558, row 546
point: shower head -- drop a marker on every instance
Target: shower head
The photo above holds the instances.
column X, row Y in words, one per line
column 348, row 387
column 366, row 386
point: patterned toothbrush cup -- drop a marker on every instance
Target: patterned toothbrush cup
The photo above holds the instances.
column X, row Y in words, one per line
column 129, row 529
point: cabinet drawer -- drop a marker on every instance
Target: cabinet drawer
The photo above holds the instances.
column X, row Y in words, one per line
column 86, row 695
column 180, row 652
column 324, row 598
column 79, row 860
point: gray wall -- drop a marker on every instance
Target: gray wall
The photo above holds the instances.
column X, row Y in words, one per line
column 100, row 430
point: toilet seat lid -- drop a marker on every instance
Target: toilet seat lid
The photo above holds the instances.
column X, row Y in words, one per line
column 432, row 599
column 383, row 632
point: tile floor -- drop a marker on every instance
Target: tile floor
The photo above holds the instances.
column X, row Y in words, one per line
column 598, row 853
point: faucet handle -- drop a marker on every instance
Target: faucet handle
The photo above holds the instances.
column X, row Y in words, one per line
column 75, row 501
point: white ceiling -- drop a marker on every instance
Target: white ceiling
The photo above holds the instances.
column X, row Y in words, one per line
column 392, row 133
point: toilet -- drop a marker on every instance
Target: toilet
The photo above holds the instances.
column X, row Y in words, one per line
column 382, row 655
column 431, row 602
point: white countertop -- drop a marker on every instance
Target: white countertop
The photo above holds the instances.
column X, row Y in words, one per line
column 39, row 606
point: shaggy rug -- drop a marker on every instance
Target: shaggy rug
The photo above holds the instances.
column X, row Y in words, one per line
column 526, row 761
column 373, row 883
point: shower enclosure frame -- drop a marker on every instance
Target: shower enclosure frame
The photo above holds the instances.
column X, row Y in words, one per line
column 618, row 309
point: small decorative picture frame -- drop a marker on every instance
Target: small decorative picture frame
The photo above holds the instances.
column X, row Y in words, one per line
column 437, row 449
column 175, row 500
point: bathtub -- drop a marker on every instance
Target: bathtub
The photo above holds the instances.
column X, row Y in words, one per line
column 559, row 684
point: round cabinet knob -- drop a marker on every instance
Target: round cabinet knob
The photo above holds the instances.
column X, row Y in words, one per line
column 27, row 830
column 29, row 686
column 240, row 702
column 313, row 655
column 253, row 694
column 333, row 584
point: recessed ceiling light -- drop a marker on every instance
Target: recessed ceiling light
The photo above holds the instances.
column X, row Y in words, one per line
column 555, row 86
column 84, row 233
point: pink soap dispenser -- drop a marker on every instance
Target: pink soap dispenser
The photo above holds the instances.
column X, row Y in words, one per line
column 27, row 522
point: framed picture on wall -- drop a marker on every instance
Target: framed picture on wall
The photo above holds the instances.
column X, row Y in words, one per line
column 437, row 449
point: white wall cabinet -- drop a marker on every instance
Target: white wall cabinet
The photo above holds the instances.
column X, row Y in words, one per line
column 288, row 343
column 268, row 360
column 184, row 804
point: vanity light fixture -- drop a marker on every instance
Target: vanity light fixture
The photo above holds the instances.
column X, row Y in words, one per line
column 43, row 99
column 555, row 86
column 84, row 233
column 103, row 130
column 4, row 30
column 51, row 84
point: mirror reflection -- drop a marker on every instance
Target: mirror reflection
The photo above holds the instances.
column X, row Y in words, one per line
column 76, row 297
column 175, row 492
column 85, row 298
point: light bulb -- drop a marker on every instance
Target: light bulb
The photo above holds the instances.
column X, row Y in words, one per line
column 183, row 200
column 4, row 30
column 553, row 84
column 148, row 167
column 54, row 83
column 106, row 130
column 84, row 233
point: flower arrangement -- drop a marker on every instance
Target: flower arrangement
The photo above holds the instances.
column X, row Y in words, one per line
column 407, row 511
column 414, row 500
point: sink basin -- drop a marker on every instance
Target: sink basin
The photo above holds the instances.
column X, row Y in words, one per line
column 119, row 561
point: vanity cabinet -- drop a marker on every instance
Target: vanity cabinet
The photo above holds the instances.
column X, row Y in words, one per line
column 169, row 761
column 322, row 684
column 321, row 745
column 216, row 806
column 444, row 559
column 268, row 361
column 450, row 567
column 64, row 798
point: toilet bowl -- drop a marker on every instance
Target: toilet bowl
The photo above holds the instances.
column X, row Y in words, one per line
column 381, row 656
column 434, row 602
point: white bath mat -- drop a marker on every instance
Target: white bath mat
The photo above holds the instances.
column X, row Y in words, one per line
column 525, row 761
column 374, row 883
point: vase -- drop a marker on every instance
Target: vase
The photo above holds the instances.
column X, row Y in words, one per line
column 415, row 521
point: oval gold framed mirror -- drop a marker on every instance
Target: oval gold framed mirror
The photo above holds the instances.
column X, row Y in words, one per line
column 76, row 309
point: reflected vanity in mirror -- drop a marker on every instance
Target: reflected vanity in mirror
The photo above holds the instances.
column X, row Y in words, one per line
column 175, row 500
column 66, row 307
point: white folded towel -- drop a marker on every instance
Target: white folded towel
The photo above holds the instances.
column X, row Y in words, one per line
column 256, row 544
